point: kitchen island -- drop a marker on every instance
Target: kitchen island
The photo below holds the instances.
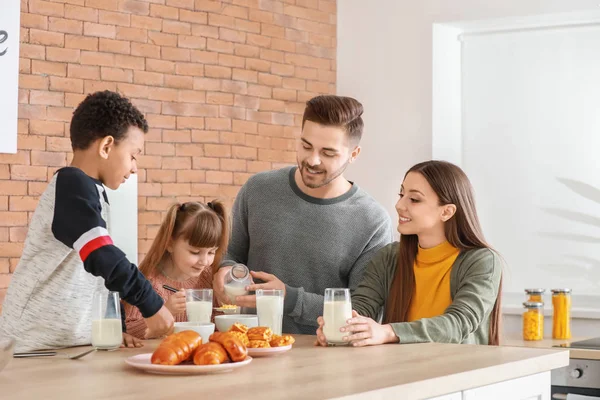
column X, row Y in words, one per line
column 410, row 371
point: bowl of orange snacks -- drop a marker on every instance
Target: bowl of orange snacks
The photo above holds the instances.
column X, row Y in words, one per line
column 228, row 309
column 225, row 322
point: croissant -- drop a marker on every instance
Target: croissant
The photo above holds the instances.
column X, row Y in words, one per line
column 237, row 327
column 260, row 333
column 176, row 348
column 210, row 353
column 193, row 338
column 280, row 341
column 232, row 344
column 258, row 344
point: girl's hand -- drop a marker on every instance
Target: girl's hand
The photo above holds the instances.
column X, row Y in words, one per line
column 130, row 341
column 363, row 331
column 176, row 302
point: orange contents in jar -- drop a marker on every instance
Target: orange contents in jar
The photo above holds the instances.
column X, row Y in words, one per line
column 533, row 321
column 561, row 317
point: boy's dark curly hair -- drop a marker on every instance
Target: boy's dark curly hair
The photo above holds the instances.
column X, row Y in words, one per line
column 102, row 114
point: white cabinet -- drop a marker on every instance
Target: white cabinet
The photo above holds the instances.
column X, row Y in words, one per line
column 533, row 387
column 123, row 221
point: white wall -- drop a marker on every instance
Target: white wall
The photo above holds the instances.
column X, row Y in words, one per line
column 385, row 61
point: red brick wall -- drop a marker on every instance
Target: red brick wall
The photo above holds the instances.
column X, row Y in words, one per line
column 222, row 83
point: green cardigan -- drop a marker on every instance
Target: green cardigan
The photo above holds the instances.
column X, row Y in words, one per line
column 474, row 282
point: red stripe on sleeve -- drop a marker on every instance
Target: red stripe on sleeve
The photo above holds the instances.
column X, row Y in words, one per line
column 94, row 244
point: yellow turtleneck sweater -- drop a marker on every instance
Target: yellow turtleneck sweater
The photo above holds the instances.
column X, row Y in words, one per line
column 432, row 281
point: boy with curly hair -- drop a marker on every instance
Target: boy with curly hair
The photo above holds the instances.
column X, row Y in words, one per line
column 69, row 254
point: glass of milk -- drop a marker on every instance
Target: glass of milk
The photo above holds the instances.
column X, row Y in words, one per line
column 269, row 308
column 107, row 332
column 337, row 309
column 199, row 304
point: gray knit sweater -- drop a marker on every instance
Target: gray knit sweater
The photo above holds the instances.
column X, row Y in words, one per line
column 309, row 243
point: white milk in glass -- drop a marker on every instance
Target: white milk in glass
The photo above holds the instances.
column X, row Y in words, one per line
column 232, row 291
column 199, row 311
column 107, row 333
column 270, row 312
column 335, row 315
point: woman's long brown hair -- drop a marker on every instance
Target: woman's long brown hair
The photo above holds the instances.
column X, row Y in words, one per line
column 463, row 231
column 202, row 225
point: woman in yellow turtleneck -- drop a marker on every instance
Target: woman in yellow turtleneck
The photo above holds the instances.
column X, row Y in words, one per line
column 441, row 282
column 431, row 296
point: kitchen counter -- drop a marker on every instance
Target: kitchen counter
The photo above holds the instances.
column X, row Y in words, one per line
column 517, row 340
column 408, row 371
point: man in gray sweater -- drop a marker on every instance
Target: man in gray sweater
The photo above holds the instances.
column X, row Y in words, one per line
column 306, row 228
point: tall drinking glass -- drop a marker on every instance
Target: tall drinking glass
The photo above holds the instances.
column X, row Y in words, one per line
column 337, row 309
column 269, row 308
column 107, row 332
column 199, row 304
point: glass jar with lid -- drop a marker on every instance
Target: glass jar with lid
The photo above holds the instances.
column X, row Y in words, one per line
column 236, row 281
column 561, row 314
column 533, row 320
column 535, row 295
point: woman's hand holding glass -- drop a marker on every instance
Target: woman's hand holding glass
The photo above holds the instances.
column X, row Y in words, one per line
column 361, row 331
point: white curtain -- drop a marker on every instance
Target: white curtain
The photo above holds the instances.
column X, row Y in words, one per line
column 531, row 146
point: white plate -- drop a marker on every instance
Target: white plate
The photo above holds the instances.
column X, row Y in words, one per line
column 142, row 361
column 228, row 310
column 269, row 351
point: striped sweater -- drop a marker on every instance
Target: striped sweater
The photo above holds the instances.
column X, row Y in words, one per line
column 68, row 257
